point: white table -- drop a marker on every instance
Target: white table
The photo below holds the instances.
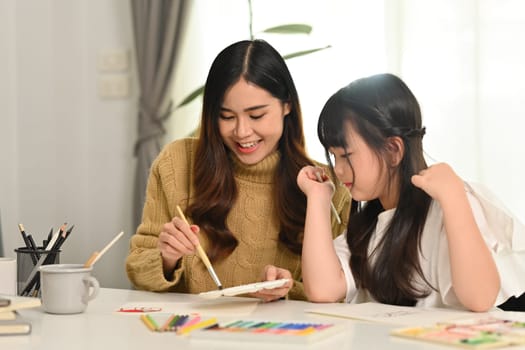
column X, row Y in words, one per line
column 100, row 328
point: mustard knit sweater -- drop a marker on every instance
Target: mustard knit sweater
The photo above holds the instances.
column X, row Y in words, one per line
column 252, row 220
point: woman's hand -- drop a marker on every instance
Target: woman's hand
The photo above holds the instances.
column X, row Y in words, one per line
column 272, row 273
column 176, row 240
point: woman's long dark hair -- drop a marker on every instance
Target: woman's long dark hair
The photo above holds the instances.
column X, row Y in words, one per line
column 259, row 63
column 377, row 108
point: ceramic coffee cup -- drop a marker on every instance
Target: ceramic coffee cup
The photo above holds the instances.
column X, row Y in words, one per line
column 8, row 276
column 67, row 288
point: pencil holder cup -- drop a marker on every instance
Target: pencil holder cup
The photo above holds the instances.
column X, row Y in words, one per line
column 26, row 261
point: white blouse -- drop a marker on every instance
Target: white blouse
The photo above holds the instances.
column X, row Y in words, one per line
column 503, row 233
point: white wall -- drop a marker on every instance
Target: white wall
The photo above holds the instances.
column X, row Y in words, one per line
column 65, row 153
column 462, row 60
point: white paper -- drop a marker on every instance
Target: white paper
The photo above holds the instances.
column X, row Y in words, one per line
column 391, row 314
column 245, row 288
column 227, row 306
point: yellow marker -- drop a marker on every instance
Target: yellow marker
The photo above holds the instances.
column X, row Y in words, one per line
column 203, row 324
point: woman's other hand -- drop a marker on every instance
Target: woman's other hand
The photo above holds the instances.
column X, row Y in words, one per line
column 272, row 273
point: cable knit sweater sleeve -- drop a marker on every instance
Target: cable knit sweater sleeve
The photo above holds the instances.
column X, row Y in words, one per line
column 144, row 262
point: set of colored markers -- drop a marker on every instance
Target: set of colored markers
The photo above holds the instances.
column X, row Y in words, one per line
column 181, row 324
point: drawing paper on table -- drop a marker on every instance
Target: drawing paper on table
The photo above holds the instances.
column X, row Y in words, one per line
column 390, row 314
column 244, row 289
column 227, row 306
column 508, row 315
column 477, row 333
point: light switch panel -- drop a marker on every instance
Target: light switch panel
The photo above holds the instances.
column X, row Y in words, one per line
column 113, row 60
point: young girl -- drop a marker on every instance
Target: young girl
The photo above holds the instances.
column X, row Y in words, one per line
column 417, row 234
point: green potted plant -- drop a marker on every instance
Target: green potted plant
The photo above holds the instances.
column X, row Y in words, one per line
column 286, row 29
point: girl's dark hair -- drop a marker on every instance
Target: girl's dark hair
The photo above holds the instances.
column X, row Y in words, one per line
column 259, row 63
column 377, row 108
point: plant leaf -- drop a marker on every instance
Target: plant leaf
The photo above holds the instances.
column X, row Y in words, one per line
column 305, row 52
column 200, row 90
column 192, row 96
column 297, row 28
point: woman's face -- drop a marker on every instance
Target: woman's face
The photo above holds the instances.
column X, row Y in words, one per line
column 251, row 121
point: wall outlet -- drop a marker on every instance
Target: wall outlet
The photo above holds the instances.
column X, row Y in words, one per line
column 114, row 86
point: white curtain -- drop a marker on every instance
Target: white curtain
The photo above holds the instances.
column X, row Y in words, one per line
column 464, row 61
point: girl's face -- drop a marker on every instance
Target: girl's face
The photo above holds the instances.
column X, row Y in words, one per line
column 251, row 121
column 369, row 179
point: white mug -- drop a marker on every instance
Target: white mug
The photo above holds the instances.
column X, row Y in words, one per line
column 8, row 276
column 67, row 288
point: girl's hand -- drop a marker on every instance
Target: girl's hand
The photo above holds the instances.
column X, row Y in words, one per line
column 313, row 179
column 439, row 181
column 272, row 273
column 176, row 240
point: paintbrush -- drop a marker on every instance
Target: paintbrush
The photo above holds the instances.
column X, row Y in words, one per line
column 97, row 255
column 202, row 255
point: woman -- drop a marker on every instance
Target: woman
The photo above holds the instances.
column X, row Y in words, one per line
column 236, row 183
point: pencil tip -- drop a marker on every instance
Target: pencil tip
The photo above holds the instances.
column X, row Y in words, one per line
column 21, row 227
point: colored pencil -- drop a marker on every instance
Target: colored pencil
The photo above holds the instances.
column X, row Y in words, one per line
column 334, row 211
column 180, row 322
column 167, row 325
column 149, row 322
column 63, row 237
column 191, row 322
column 24, row 235
column 203, row 324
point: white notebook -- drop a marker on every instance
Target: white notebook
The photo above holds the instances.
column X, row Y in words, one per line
column 245, row 288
